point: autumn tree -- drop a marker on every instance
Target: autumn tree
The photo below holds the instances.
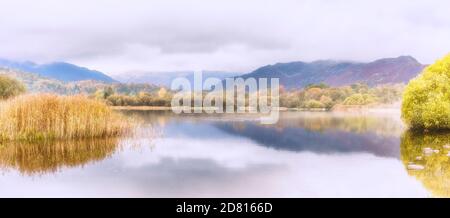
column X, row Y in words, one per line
column 426, row 100
column 10, row 87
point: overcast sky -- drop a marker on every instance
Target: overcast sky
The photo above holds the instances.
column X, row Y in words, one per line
column 230, row 35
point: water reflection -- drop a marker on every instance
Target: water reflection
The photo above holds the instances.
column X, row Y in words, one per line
column 50, row 156
column 382, row 124
column 426, row 157
column 304, row 155
column 325, row 133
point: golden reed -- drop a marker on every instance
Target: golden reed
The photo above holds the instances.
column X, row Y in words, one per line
column 48, row 116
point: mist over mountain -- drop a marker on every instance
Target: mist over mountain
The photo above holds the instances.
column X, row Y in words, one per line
column 338, row 73
column 58, row 70
column 292, row 75
column 300, row 74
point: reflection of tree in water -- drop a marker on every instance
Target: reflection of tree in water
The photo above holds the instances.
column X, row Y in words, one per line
column 379, row 124
column 426, row 157
column 50, row 156
column 383, row 125
column 327, row 141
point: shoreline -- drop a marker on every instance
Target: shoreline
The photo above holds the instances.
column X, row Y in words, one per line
column 142, row 108
column 337, row 108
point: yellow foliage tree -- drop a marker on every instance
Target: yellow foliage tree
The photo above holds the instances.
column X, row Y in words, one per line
column 162, row 92
column 426, row 100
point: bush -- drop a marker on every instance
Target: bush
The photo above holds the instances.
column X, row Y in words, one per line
column 10, row 87
column 47, row 116
column 426, row 100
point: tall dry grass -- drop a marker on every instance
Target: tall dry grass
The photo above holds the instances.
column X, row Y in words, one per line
column 48, row 116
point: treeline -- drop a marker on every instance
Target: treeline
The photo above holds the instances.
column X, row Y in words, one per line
column 35, row 83
column 156, row 97
column 323, row 96
column 123, row 94
column 311, row 97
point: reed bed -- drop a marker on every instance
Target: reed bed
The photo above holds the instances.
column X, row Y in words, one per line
column 48, row 116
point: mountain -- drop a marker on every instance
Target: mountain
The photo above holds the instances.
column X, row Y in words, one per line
column 36, row 83
column 339, row 73
column 58, row 70
column 292, row 75
column 166, row 78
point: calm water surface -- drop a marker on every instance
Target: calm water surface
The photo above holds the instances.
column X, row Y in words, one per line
column 303, row 155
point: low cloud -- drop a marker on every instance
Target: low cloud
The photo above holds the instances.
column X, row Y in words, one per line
column 118, row 36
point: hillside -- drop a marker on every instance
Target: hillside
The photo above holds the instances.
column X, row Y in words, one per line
column 58, row 70
column 338, row 73
column 34, row 82
column 49, row 77
column 38, row 84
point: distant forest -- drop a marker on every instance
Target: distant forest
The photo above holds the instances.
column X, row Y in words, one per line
column 313, row 96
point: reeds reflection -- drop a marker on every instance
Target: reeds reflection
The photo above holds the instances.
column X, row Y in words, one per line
column 50, row 156
column 426, row 157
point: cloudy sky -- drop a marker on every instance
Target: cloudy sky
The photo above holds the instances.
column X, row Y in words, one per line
column 230, row 35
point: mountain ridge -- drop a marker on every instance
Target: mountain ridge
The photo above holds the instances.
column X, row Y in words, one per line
column 292, row 75
column 299, row 74
column 62, row 71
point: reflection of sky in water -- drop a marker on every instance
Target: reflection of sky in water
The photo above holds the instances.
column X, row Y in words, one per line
column 204, row 158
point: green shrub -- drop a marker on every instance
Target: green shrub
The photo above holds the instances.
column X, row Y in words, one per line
column 426, row 100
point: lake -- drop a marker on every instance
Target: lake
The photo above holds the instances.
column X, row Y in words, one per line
column 306, row 154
